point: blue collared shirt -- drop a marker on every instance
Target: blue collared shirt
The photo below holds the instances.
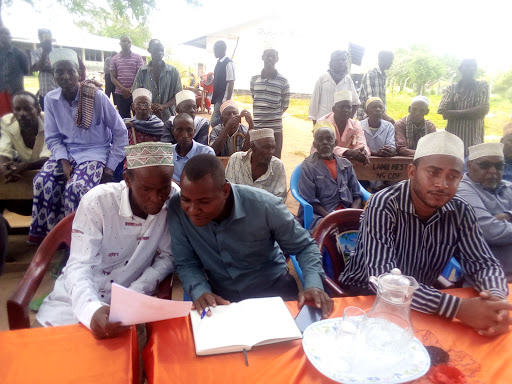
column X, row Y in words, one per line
column 103, row 141
column 244, row 250
column 179, row 162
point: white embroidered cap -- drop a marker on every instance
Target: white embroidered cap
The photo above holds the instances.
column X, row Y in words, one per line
column 262, row 133
column 141, row 92
column 342, row 96
column 423, row 99
column 485, row 149
column 185, row 95
column 148, row 154
column 63, row 54
column 440, row 143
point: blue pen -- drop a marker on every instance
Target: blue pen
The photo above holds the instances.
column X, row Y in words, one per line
column 203, row 314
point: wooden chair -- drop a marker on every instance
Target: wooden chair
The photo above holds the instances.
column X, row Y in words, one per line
column 18, row 303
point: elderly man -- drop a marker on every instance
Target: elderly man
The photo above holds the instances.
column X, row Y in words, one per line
column 491, row 198
column 271, row 96
column 258, row 167
column 413, row 127
column 379, row 133
column 328, row 182
column 86, row 137
column 350, row 139
column 186, row 147
column 336, row 79
column 507, row 151
column 123, row 69
column 373, row 84
column 144, row 126
column 230, row 135
column 185, row 103
column 13, row 66
column 417, row 225
column 228, row 242
column 465, row 105
column 223, row 80
column 162, row 79
column 119, row 236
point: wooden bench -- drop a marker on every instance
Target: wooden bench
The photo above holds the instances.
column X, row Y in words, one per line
column 383, row 168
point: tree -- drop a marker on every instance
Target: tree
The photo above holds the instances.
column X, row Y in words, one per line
column 503, row 84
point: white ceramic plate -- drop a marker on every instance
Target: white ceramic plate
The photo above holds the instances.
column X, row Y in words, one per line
column 325, row 352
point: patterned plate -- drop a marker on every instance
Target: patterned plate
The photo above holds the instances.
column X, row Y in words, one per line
column 323, row 350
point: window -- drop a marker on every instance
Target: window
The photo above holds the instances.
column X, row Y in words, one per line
column 92, row 55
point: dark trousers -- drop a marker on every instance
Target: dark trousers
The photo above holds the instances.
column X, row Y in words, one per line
column 123, row 105
column 109, row 86
column 279, row 143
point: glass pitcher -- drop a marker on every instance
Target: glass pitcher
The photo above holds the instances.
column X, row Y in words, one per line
column 389, row 329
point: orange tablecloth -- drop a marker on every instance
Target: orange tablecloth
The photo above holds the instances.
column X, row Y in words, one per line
column 169, row 356
column 68, row 355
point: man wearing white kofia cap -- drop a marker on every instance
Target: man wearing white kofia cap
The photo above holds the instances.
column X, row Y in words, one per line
column 491, row 198
column 413, row 127
column 258, row 167
column 186, row 103
column 417, row 225
column 119, row 235
column 350, row 139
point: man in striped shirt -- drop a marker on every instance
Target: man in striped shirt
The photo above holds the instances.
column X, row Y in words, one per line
column 271, row 94
column 417, row 226
column 465, row 105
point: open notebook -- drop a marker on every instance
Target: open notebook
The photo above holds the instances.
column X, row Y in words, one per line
column 242, row 325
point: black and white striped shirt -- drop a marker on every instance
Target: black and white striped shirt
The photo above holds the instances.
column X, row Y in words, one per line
column 392, row 236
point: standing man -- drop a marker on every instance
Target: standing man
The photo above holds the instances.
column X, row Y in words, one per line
column 223, row 80
column 41, row 63
column 228, row 241
column 13, row 66
column 373, row 84
column 162, row 79
column 271, row 96
column 334, row 80
column 417, row 225
column 109, row 86
column 491, row 198
column 465, row 105
column 123, row 69
column 410, row 129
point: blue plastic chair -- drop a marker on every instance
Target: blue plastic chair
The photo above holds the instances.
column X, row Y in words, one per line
column 308, row 208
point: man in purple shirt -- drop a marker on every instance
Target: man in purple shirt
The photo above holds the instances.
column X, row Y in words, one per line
column 86, row 137
column 123, row 68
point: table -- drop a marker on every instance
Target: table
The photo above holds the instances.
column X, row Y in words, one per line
column 68, row 354
column 170, row 355
column 383, row 168
column 20, row 190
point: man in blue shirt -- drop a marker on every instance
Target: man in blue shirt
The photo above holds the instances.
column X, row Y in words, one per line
column 186, row 146
column 228, row 241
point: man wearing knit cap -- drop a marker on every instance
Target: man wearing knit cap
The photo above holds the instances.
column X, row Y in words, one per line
column 417, row 225
column 334, row 80
column 185, row 103
column 258, row 167
column 86, row 137
column 379, row 133
column 350, row 139
column 230, row 135
column 120, row 235
column 327, row 181
column 413, row 127
column 507, row 151
column 491, row 198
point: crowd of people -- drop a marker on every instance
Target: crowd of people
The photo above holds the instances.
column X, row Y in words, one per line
column 225, row 231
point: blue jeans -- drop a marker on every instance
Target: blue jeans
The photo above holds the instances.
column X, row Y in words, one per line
column 215, row 120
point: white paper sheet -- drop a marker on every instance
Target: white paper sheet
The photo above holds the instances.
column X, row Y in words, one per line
column 130, row 307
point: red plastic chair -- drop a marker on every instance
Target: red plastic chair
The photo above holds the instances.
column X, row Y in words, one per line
column 326, row 233
column 17, row 305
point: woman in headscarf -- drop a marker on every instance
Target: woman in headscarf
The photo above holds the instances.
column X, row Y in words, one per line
column 144, row 126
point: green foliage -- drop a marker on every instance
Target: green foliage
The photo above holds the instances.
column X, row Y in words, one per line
column 137, row 10
column 503, row 84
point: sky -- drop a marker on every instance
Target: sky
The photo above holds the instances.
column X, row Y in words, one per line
column 460, row 28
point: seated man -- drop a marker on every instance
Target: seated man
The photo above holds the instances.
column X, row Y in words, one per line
column 327, row 181
column 350, row 139
column 227, row 239
column 413, row 127
column 86, row 136
column 119, row 236
column 258, row 167
column 185, row 103
column 491, row 198
column 417, row 225
column 379, row 133
column 230, row 135
column 144, row 126
column 186, row 147
column 507, row 151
